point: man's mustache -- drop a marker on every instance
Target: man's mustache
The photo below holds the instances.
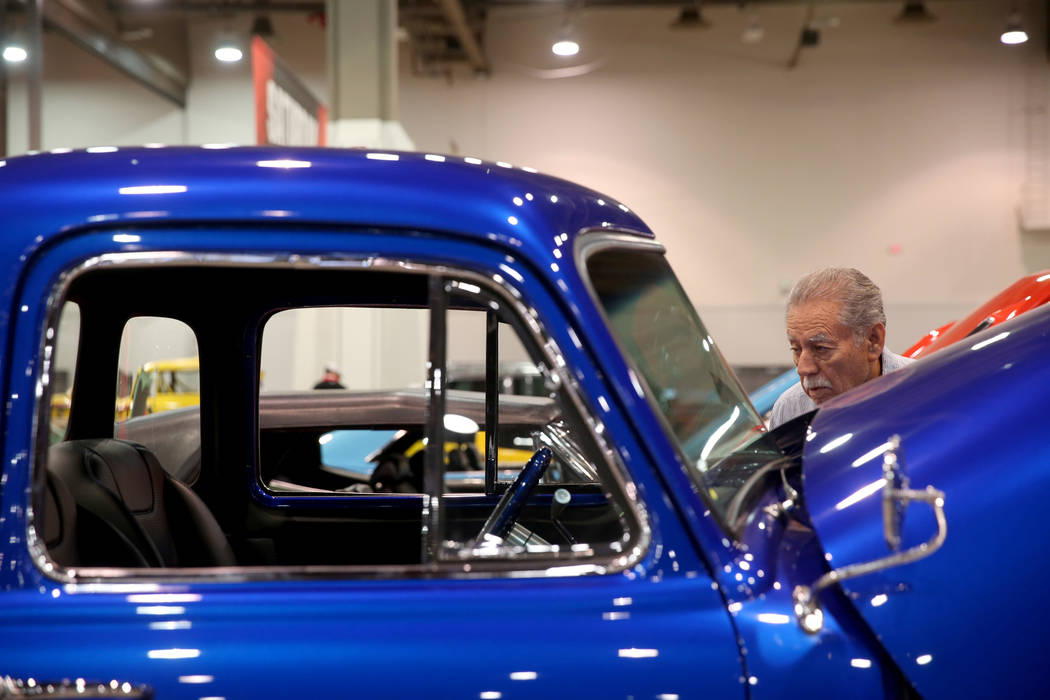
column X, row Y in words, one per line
column 817, row 382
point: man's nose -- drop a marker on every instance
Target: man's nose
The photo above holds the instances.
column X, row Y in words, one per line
column 806, row 366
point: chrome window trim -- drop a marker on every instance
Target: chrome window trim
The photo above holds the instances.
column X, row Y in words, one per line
column 564, row 562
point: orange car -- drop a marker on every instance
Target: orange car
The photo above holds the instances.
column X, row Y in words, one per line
column 1023, row 295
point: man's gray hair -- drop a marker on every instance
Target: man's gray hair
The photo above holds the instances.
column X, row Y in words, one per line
column 860, row 298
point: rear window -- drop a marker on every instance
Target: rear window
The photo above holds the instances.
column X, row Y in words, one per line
column 158, row 371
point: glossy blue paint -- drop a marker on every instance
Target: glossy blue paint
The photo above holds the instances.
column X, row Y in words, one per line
column 382, row 637
column 702, row 613
column 972, row 424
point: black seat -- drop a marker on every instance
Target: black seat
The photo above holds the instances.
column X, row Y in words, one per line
column 60, row 522
column 128, row 511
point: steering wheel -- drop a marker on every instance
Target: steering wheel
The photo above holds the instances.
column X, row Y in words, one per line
column 513, row 499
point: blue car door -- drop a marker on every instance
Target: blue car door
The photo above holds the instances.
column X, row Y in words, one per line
column 481, row 547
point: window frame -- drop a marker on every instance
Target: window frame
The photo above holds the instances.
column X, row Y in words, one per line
column 638, row 534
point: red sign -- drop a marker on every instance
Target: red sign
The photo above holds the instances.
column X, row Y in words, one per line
column 286, row 112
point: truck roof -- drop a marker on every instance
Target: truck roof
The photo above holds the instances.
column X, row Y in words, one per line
column 47, row 194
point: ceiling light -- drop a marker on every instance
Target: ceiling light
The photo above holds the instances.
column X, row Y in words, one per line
column 228, row 54
column 565, row 47
column 566, row 44
column 754, row 32
column 689, row 17
column 914, row 11
column 227, row 48
column 262, row 26
column 810, row 36
column 15, row 54
column 1014, row 32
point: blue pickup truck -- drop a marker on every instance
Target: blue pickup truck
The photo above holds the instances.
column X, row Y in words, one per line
column 634, row 531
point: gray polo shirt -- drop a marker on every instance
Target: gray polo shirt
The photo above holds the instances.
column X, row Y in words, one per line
column 794, row 401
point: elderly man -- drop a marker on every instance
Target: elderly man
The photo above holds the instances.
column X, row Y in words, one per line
column 837, row 331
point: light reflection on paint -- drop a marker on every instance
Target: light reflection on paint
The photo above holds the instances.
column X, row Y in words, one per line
column 174, row 653
column 286, row 163
column 196, row 679
column 774, row 618
column 153, row 189
column 994, row 339
column 868, row 456
column 837, row 442
column 164, row 598
column 860, row 494
column 170, row 625
column 160, row 610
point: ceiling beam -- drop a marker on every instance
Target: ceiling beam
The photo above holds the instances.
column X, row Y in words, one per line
column 457, row 19
column 163, row 79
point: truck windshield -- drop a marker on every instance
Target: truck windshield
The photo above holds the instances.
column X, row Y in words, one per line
column 703, row 405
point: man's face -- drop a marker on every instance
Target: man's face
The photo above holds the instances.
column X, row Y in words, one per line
column 826, row 355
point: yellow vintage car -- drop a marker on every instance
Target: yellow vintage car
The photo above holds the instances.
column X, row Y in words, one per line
column 60, row 404
column 160, row 386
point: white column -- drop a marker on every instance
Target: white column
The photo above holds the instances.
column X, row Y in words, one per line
column 362, row 68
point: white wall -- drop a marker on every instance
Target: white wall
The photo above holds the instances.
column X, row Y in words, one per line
column 87, row 102
column 885, row 138
column 901, row 150
column 371, row 348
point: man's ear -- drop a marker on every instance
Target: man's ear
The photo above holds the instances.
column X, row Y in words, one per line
column 876, row 340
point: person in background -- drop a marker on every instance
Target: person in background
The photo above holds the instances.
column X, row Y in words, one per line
column 330, row 378
column 836, row 328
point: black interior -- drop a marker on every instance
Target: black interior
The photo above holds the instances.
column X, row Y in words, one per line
column 117, row 507
column 108, row 502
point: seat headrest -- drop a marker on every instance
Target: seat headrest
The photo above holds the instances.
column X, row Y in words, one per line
column 126, row 469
